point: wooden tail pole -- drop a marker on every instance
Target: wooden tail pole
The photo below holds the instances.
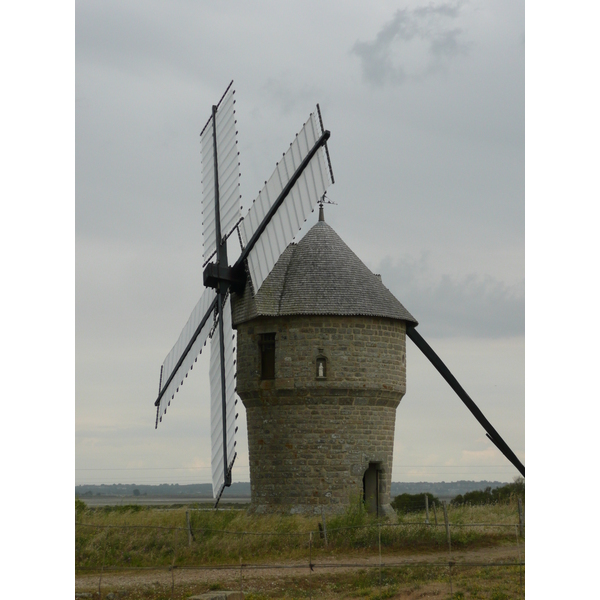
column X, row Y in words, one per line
column 436, row 361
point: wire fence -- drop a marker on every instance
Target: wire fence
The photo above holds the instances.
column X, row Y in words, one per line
column 383, row 546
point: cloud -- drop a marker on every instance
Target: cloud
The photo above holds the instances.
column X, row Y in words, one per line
column 445, row 306
column 420, row 37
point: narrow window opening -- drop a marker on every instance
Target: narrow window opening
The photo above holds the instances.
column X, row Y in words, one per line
column 267, row 356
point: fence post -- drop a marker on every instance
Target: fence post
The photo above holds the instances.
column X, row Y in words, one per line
column 427, row 509
column 102, row 568
column 521, row 519
column 447, row 525
column 173, row 566
column 324, row 524
column 379, row 532
column 241, row 564
column 435, row 514
column 189, row 527
column 310, row 567
column 520, row 565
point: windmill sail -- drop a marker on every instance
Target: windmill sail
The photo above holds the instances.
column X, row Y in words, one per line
column 220, row 470
column 228, row 173
column 182, row 356
column 290, row 195
column 299, row 203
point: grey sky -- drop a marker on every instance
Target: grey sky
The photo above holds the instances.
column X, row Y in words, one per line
column 425, row 103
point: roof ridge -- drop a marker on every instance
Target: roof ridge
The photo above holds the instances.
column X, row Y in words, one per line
column 285, row 277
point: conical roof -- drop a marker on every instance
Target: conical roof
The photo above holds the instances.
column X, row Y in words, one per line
column 319, row 276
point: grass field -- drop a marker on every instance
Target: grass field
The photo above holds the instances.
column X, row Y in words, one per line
column 126, row 543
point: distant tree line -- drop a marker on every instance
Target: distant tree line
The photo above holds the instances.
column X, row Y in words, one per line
column 407, row 503
column 239, row 489
column 516, row 489
column 442, row 489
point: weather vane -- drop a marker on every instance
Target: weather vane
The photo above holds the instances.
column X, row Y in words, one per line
column 325, row 200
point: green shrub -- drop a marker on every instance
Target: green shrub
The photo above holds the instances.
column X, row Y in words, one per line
column 123, row 508
column 354, row 528
column 406, row 503
column 355, row 515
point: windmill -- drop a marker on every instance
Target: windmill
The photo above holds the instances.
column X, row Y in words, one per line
column 300, row 179
column 298, row 183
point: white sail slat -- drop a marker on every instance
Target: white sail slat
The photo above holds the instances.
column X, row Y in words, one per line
column 228, row 173
column 228, row 165
column 208, row 190
column 216, row 416
column 176, row 374
column 216, row 405
column 230, row 379
column 300, row 202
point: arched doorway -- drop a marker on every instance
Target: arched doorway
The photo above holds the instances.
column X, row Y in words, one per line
column 371, row 488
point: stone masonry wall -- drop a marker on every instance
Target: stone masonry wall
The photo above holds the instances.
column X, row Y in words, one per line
column 311, row 440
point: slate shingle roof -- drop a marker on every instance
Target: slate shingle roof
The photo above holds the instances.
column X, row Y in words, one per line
column 319, row 276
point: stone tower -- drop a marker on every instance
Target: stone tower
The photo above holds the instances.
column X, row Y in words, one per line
column 321, row 369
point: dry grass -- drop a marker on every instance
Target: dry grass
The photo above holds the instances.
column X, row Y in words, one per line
column 123, row 537
column 145, row 537
column 151, row 537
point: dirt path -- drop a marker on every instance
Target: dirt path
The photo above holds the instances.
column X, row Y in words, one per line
column 258, row 576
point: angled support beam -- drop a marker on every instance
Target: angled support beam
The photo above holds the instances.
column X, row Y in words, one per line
column 436, row 361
